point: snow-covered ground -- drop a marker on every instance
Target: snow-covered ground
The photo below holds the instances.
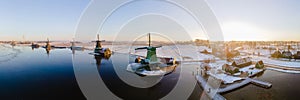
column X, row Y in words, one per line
column 265, row 56
column 262, row 52
column 285, row 71
column 179, row 52
column 278, row 62
column 227, row 79
column 192, row 53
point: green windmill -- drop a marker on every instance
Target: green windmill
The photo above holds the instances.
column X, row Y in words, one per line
column 151, row 56
column 151, row 65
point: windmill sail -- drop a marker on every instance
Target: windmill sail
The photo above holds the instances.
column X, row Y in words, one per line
column 151, row 51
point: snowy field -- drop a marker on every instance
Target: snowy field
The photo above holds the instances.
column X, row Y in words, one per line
column 265, row 56
column 279, row 62
column 227, row 79
column 192, row 53
column 179, row 52
column 188, row 53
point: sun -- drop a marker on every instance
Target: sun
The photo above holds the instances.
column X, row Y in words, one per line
column 242, row 31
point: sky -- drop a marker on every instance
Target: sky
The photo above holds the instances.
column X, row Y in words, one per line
column 258, row 19
column 39, row 19
column 239, row 20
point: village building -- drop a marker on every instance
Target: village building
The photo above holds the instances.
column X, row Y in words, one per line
column 230, row 69
column 243, row 62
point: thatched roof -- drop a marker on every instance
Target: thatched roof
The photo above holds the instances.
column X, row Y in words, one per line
column 243, row 62
column 287, row 54
column 276, row 54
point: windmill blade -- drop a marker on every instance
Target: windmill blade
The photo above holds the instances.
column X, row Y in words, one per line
column 100, row 41
column 158, row 46
column 140, row 48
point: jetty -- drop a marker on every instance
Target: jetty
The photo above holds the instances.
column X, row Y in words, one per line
column 260, row 83
column 234, row 86
column 211, row 92
column 217, row 96
column 243, row 83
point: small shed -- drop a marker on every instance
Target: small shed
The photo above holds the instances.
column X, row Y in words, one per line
column 260, row 64
column 287, row 54
column 297, row 55
column 230, row 69
column 276, row 54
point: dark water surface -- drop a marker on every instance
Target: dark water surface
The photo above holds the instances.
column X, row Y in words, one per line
column 285, row 86
column 108, row 72
column 34, row 74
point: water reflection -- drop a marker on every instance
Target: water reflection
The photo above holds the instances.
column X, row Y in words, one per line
column 74, row 50
column 30, row 75
column 285, row 87
column 42, row 82
column 34, row 46
column 121, row 89
column 99, row 58
column 8, row 53
column 260, row 74
column 47, row 51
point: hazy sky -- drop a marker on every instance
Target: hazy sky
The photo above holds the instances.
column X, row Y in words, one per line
column 239, row 19
column 258, row 19
column 39, row 19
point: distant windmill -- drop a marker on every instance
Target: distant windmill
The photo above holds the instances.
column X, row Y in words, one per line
column 101, row 51
column 98, row 47
column 48, row 46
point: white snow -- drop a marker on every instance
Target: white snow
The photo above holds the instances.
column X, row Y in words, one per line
column 191, row 53
column 266, row 54
column 278, row 62
column 154, row 73
column 285, row 71
column 251, row 70
column 227, row 79
column 179, row 52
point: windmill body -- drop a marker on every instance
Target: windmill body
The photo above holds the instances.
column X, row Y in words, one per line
column 99, row 51
column 151, row 65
